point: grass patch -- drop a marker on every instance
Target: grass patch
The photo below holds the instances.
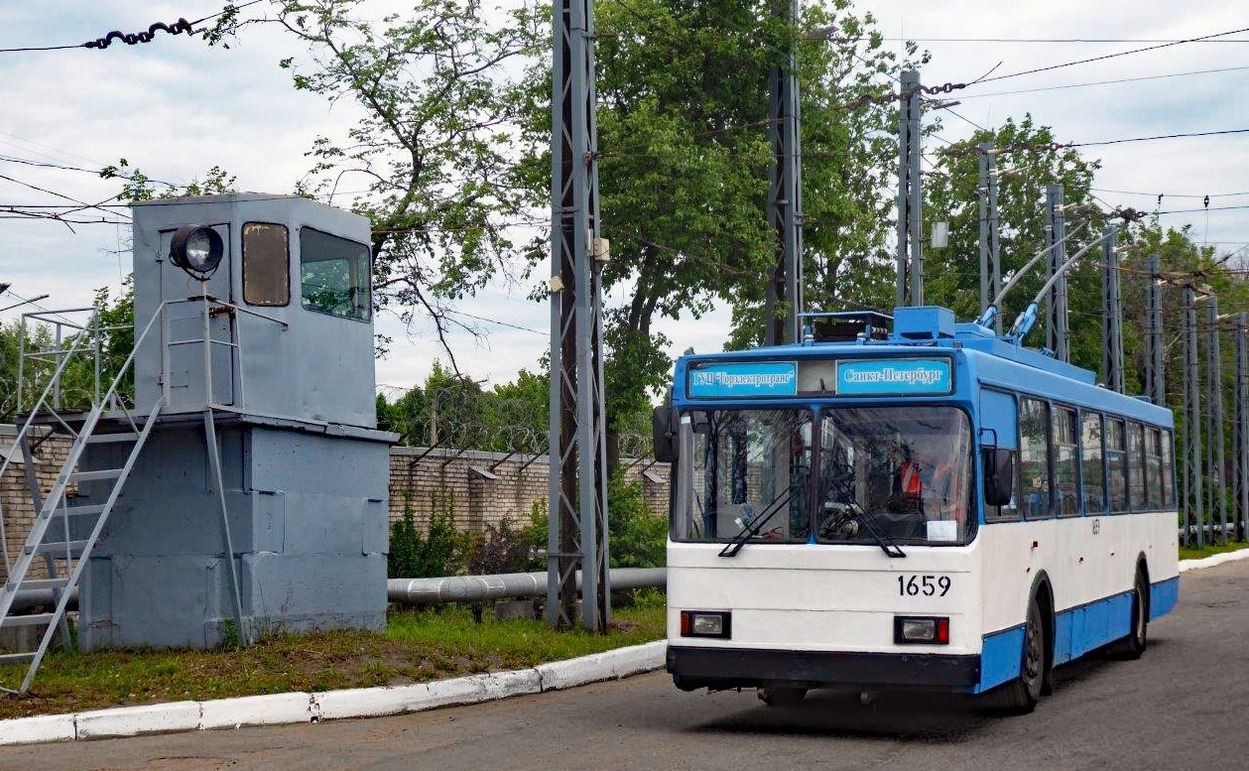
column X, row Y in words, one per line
column 1187, row 553
column 417, row 646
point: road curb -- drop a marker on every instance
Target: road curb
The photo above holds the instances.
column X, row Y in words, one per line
column 1211, row 561
column 290, row 708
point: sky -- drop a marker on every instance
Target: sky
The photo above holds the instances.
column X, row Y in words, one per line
column 175, row 107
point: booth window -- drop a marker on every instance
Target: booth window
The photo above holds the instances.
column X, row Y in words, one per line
column 335, row 275
column 266, row 264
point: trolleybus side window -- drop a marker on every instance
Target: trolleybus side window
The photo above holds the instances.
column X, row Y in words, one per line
column 1168, row 484
column 1092, row 475
column 1066, row 479
column 1116, row 465
column 1034, row 452
column 1136, row 468
column 1153, row 468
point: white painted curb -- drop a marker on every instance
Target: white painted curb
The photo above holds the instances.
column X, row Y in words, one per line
column 287, row 708
column 1211, row 561
column 132, row 721
column 269, row 709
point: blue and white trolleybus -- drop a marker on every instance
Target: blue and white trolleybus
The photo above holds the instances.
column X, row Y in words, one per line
column 931, row 506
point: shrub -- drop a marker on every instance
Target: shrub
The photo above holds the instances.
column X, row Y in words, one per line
column 435, row 553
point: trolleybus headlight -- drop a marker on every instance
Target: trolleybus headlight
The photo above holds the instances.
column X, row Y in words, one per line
column 701, row 623
column 197, row 249
column 921, row 630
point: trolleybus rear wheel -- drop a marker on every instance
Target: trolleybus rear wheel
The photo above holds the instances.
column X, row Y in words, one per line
column 1132, row 646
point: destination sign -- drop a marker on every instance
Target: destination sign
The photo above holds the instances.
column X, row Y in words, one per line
column 746, row 379
column 894, row 376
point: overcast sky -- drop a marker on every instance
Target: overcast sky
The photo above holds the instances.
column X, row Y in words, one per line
column 174, row 108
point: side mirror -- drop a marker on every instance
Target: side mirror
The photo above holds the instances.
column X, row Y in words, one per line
column 664, row 427
column 999, row 475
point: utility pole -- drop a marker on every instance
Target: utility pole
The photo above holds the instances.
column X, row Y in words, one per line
column 1194, row 515
column 1056, row 304
column 990, row 259
column 1241, row 430
column 1112, row 314
column 1214, row 389
column 577, row 491
column 785, row 193
column 1156, row 386
column 910, row 286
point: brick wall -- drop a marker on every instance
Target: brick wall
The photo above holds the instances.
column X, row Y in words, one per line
column 19, row 514
column 487, row 487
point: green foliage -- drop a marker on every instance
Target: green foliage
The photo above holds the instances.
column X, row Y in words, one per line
column 434, row 553
column 138, row 186
column 682, row 115
column 449, row 410
column 638, row 537
column 433, row 143
column 952, row 274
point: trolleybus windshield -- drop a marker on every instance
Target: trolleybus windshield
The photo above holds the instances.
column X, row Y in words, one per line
column 902, row 471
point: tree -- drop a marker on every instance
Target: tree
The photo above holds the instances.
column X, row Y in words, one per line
column 434, row 138
column 952, row 274
column 682, row 110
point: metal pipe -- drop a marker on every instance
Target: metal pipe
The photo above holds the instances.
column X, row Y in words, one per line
column 430, row 591
column 424, row 591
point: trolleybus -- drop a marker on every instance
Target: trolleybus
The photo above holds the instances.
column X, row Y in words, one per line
column 928, row 506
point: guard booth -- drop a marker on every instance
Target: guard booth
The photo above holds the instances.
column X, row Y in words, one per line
column 243, row 490
column 266, row 341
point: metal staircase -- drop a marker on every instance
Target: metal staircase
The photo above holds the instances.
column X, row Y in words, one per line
column 67, row 524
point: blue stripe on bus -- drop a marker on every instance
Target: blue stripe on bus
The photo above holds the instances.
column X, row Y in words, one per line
column 1000, row 656
column 1163, row 597
column 1077, row 631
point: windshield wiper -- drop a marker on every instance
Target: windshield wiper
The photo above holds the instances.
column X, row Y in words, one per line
column 754, row 526
column 886, row 544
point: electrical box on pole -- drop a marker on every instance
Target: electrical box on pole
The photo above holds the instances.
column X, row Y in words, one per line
column 577, row 491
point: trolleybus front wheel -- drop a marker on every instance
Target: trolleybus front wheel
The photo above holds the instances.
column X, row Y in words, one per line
column 1020, row 696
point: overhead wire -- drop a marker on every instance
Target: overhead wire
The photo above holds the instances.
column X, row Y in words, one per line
column 179, row 27
column 1115, row 55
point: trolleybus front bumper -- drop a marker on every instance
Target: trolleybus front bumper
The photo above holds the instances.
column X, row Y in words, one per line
column 701, row 667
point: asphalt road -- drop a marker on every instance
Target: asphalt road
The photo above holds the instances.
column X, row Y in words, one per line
column 1182, row 706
